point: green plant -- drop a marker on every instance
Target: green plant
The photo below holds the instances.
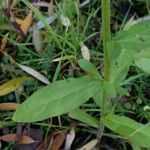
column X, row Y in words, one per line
column 129, row 47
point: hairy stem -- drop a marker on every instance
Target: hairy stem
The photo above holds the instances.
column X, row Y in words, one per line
column 106, row 36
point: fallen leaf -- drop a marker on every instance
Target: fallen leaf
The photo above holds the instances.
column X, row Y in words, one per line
column 51, row 7
column 11, row 86
column 23, row 139
column 58, row 140
column 65, row 21
column 34, row 73
column 41, row 4
column 90, row 145
column 4, row 42
column 26, row 23
column 8, row 137
column 69, row 139
column 85, row 52
column 19, row 21
column 8, row 106
column 37, row 39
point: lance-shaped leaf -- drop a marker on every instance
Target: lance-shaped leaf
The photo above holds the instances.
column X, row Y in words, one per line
column 89, row 68
column 135, row 132
column 82, row 116
column 57, row 98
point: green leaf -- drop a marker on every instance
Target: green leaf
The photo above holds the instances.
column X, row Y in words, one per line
column 114, row 49
column 120, row 67
column 136, row 38
column 109, row 89
column 130, row 129
column 56, row 99
column 142, row 60
column 82, row 116
column 144, row 64
column 89, row 68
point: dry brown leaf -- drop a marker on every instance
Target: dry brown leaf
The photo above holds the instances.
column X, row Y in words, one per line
column 4, row 42
column 23, row 139
column 51, row 7
column 8, row 137
column 26, row 23
column 58, row 140
column 8, row 106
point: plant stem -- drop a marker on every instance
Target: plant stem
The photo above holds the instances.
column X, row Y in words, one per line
column 106, row 36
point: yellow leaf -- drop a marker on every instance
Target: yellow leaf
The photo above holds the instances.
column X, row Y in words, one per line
column 11, row 86
column 4, row 42
column 25, row 25
column 19, row 21
column 8, row 106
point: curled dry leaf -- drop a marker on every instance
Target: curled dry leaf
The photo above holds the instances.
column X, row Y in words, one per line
column 8, row 106
column 58, row 140
column 37, row 39
column 34, row 73
column 23, row 139
column 90, row 145
column 85, row 52
column 11, row 86
column 69, row 139
column 65, row 21
column 4, row 42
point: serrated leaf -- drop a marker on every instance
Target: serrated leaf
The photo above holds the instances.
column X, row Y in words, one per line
column 82, row 116
column 89, row 68
column 130, row 129
column 11, row 86
column 57, row 98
